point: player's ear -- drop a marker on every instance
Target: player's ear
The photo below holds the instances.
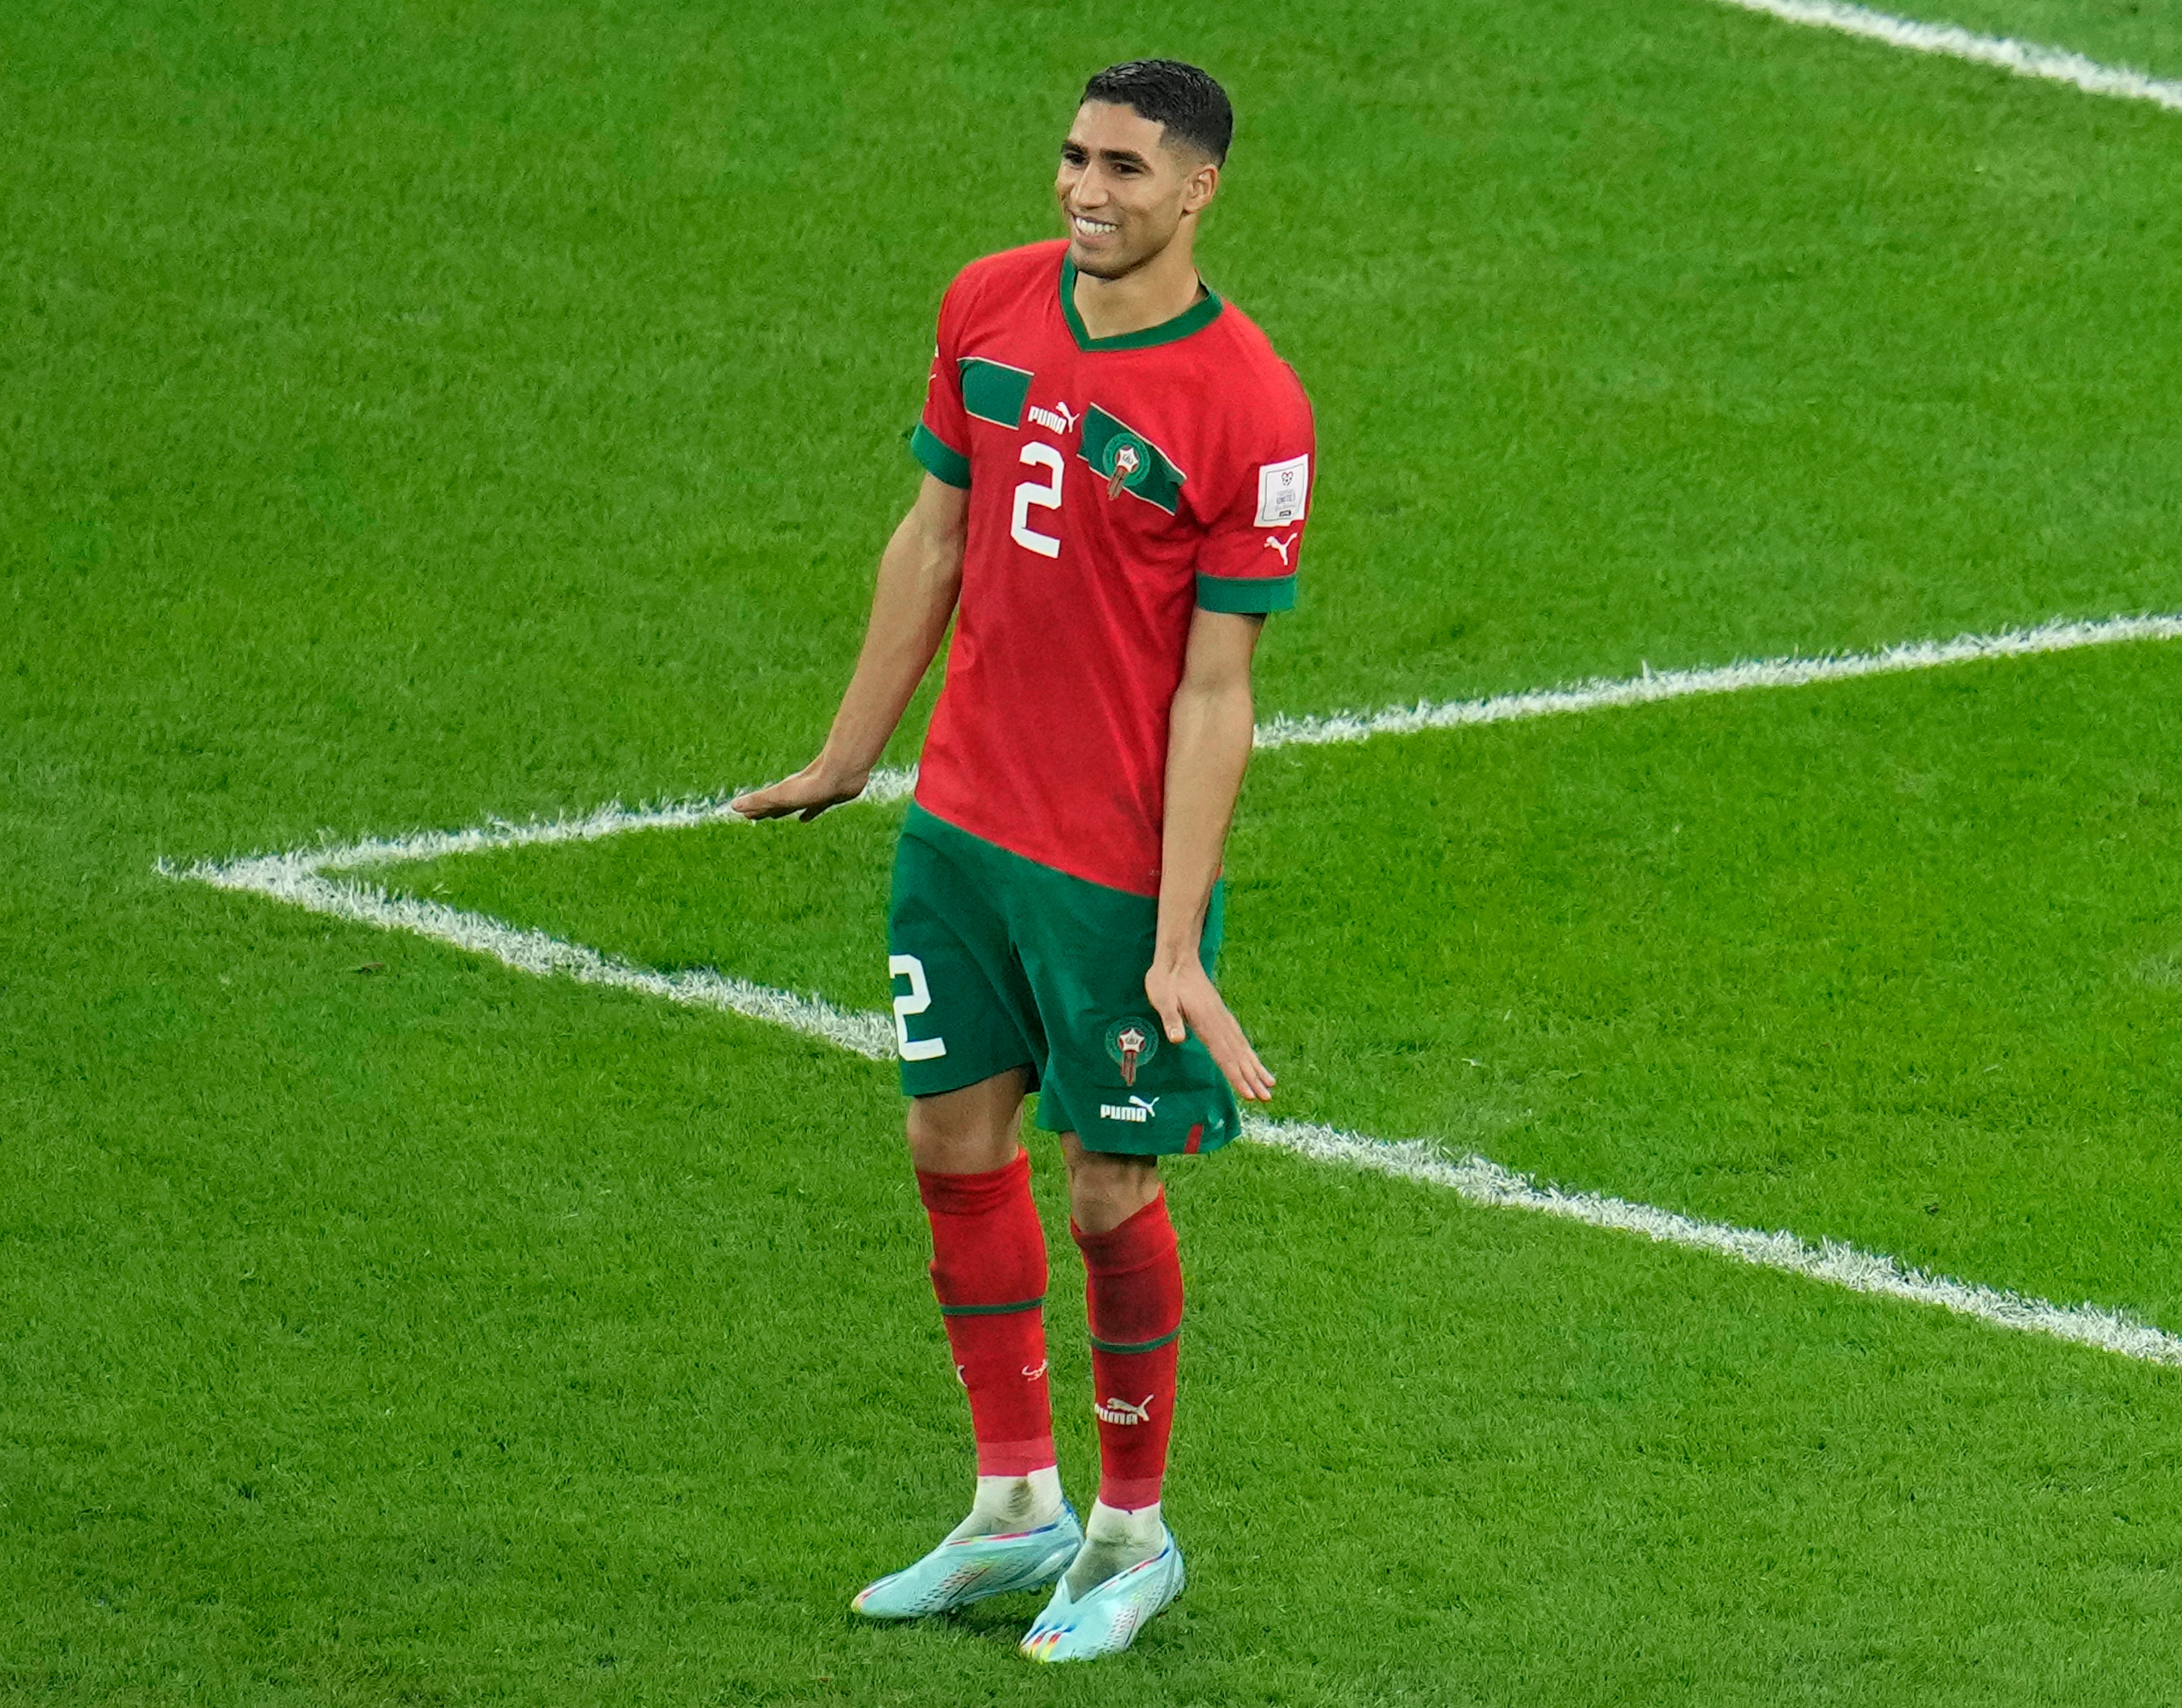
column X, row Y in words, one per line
column 1200, row 186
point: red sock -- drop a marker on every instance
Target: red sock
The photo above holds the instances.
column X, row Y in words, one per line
column 1136, row 1313
column 988, row 1269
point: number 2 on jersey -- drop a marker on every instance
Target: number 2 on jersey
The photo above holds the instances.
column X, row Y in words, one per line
column 1045, row 495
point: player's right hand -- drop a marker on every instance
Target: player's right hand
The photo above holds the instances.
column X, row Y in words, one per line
column 807, row 794
column 1187, row 1001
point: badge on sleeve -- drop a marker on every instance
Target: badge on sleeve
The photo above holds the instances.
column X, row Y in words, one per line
column 1282, row 489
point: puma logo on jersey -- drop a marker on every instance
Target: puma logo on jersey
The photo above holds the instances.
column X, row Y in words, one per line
column 1060, row 418
column 1032, row 1372
column 1282, row 546
column 1137, row 1109
column 1123, row 1412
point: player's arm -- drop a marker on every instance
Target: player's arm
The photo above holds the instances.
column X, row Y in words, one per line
column 1208, row 746
column 920, row 577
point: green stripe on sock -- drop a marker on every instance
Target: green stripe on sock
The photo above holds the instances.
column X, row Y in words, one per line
column 1098, row 1345
column 991, row 1310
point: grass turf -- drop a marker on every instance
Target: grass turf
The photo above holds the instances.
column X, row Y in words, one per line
column 432, row 410
column 2140, row 34
column 1737, row 957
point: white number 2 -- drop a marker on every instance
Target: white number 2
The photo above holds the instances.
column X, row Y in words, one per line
column 1046, row 497
column 918, row 1000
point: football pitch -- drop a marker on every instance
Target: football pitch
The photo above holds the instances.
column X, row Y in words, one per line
column 423, row 416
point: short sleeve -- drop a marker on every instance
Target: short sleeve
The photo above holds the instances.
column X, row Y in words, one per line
column 1247, row 564
column 940, row 440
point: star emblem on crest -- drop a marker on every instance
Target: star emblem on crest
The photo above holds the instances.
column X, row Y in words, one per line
column 1130, row 1043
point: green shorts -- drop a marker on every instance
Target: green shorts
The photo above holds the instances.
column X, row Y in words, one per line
column 999, row 963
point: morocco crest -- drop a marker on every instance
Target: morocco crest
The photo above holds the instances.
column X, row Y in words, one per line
column 1132, row 1043
column 1128, row 462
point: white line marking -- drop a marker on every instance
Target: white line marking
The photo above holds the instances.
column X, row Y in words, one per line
column 297, row 878
column 291, row 879
column 1730, row 679
column 612, row 819
column 2023, row 58
column 1484, row 1183
column 888, row 786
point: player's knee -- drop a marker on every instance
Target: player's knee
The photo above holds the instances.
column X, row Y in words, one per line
column 960, row 1134
column 937, row 1141
column 1104, row 1190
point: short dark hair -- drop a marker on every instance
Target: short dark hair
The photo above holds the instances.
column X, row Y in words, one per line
column 1184, row 98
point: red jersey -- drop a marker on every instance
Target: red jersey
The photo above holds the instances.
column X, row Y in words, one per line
column 1115, row 486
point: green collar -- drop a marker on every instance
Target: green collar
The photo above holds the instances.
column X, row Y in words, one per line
column 1200, row 313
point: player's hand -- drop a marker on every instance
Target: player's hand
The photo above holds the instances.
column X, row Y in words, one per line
column 807, row 794
column 1186, row 1002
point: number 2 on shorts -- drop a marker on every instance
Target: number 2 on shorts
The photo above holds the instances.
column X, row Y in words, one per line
column 915, row 1003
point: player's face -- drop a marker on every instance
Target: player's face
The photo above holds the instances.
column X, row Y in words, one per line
column 1123, row 191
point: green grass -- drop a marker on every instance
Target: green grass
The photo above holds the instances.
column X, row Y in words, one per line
column 793, row 905
column 2143, row 34
column 424, row 411
column 1891, row 961
column 1898, row 960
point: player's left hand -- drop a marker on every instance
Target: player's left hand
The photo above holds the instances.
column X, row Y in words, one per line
column 1186, row 1001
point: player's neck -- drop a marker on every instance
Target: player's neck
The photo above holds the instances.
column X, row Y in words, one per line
column 1151, row 295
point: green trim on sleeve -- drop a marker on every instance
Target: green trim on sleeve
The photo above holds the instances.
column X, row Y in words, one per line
column 944, row 462
column 1246, row 595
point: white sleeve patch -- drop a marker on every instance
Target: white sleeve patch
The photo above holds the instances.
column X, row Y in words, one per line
column 1282, row 489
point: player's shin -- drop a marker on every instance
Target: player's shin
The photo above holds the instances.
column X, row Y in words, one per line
column 989, row 1270
column 1135, row 1307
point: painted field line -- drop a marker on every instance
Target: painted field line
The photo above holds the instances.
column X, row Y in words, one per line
column 2023, row 58
column 1485, row 1183
column 293, row 879
column 891, row 785
column 612, row 819
column 872, row 1035
column 1654, row 685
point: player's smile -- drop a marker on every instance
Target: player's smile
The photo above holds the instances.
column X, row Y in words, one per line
column 1122, row 189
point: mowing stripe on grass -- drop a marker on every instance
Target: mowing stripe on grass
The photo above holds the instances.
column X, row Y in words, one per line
column 1486, row 1182
column 2023, row 59
column 294, row 879
column 890, row 785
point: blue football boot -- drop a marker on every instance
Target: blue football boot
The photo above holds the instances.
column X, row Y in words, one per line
column 955, row 1573
column 1107, row 1618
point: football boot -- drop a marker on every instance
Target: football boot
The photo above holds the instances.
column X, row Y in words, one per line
column 957, row 1572
column 1105, row 1619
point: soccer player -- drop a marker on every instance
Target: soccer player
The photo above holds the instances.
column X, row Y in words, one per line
column 1118, row 473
